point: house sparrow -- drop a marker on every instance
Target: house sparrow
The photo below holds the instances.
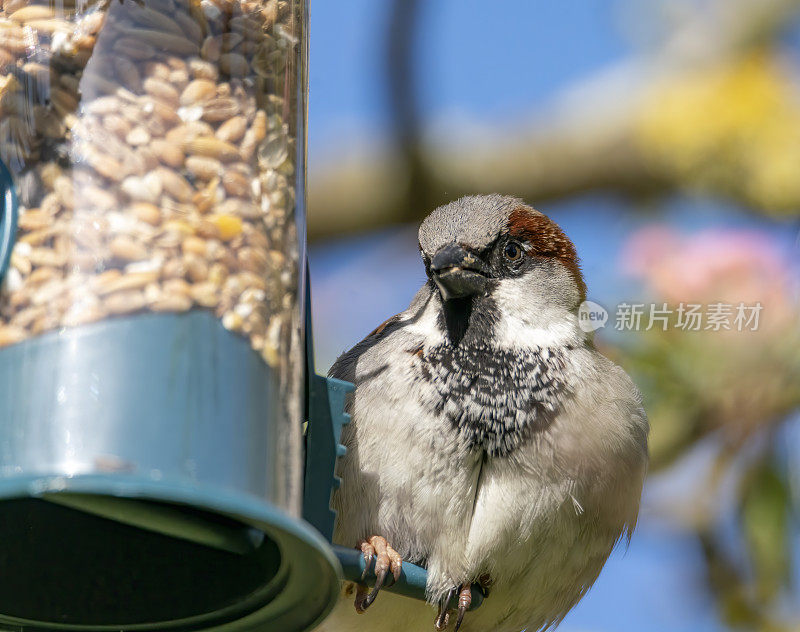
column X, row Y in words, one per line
column 490, row 441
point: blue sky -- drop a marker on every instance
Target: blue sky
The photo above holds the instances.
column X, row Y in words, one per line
column 478, row 60
column 495, row 63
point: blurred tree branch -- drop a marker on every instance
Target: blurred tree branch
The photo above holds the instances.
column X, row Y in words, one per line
column 403, row 100
column 716, row 110
column 394, row 188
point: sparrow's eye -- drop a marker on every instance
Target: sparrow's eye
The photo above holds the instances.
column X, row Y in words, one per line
column 512, row 251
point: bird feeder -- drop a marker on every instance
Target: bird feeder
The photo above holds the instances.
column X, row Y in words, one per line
column 153, row 365
column 151, row 369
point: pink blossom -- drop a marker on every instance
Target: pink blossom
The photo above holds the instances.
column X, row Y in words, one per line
column 727, row 265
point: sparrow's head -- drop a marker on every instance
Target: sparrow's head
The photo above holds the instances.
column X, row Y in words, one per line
column 495, row 252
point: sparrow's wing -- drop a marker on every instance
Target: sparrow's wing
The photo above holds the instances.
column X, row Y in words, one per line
column 345, row 366
column 387, row 436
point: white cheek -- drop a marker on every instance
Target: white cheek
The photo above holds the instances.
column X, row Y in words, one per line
column 529, row 318
column 516, row 332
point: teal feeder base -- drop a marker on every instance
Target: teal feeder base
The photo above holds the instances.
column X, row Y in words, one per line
column 137, row 485
column 73, row 569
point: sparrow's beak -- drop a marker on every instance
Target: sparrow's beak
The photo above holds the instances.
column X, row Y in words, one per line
column 458, row 272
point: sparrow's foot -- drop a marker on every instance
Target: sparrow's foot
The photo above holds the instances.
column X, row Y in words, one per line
column 386, row 560
column 443, row 618
column 464, row 602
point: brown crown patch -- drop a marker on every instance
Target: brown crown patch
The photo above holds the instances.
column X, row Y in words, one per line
column 546, row 239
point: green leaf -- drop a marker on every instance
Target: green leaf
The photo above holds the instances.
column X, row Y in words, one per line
column 765, row 509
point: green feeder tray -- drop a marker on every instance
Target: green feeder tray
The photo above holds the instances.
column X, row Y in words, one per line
column 137, row 485
column 138, row 482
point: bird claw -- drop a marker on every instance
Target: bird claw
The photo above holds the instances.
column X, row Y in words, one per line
column 443, row 618
column 361, row 594
column 464, row 602
column 368, row 551
column 386, row 560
